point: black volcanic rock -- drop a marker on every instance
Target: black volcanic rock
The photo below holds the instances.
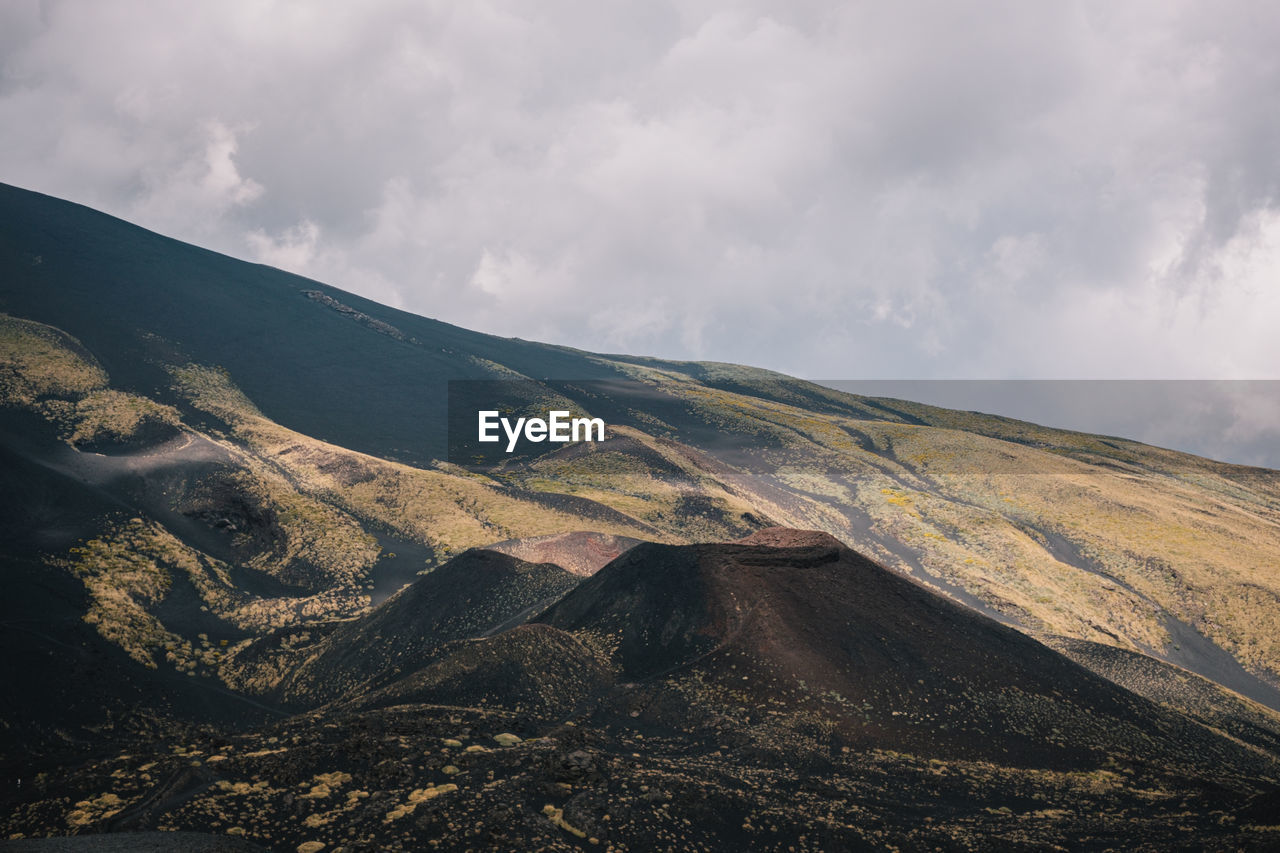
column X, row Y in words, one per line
column 534, row 670
column 475, row 593
column 778, row 692
column 794, row 620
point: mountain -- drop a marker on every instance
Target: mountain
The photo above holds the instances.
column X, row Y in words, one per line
column 234, row 496
column 893, row 665
column 746, row 695
column 475, row 593
column 580, row 552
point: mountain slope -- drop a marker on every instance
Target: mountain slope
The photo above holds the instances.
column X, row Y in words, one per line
column 234, row 454
column 139, row 300
column 779, row 692
column 785, row 613
column 475, row 593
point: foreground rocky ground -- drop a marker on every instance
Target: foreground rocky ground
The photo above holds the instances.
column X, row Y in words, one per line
column 215, row 477
column 783, row 693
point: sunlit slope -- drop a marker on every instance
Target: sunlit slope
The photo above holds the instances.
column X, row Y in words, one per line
column 1062, row 532
column 199, row 538
column 316, row 419
column 221, row 555
column 779, row 692
column 329, row 364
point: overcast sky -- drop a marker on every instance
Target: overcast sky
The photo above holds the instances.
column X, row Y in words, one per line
column 830, row 189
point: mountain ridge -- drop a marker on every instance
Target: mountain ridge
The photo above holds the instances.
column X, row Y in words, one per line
column 229, row 497
column 674, row 697
column 1015, row 519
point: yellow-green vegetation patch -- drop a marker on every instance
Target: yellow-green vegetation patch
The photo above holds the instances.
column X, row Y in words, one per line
column 95, row 809
column 123, row 581
column 324, row 785
column 130, row 568
column 107, row 415
column 556, row 816
column 46, row 369
column 657, row 485
column 211, row 389
column 446, row 508
column 319, row 546
column 419, row 795
column 38, row 361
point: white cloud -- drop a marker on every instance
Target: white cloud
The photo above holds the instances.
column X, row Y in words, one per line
column 294, row 250
column 199, row 188
column 1077, row 189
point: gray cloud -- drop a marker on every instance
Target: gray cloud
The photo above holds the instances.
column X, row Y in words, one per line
column 869, row 190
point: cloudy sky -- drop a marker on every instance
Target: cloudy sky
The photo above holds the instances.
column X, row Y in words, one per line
column 831, row 189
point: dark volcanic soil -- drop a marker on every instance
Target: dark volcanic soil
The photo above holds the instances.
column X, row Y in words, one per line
column 778, row 693
column 475, row 593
